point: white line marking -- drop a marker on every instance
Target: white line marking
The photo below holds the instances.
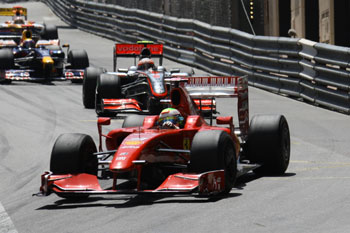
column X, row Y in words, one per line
column 6, row 224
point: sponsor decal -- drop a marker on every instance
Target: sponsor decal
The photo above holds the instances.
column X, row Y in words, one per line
column 186, row 143
column 136, row 48
column 136, row 142
column 129, row 147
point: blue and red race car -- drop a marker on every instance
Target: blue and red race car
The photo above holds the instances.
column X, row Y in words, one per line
column 41, row 60
column 197, row 158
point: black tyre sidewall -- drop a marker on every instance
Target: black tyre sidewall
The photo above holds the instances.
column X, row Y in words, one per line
column 269, row 143
column 214, row 150
column 72, row 154
column 50, row 32
column 78, row 59
column 108, row 87
column 6, row 59
column 89, row 86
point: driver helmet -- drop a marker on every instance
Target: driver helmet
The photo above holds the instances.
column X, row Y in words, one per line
column 173, row 115
column 28, row 43
column 18, row 20
column 145, row 64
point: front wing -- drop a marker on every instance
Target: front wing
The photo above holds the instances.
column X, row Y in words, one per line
column 31, row 75
column 208, row 183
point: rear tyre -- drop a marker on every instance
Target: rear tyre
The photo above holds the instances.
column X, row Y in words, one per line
column 73, row 154
column 268, row 144
column 214, row 150
column 50, row 32
column 78, row 59
column 108, row 87
column 133, row 121
column 89, row 86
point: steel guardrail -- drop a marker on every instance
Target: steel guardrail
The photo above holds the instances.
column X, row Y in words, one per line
column 313, row 72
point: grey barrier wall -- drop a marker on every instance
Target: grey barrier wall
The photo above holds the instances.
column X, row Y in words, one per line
column 314, row 72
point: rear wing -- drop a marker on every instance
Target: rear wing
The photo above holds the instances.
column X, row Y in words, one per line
column 14, row 11
column 134, row 50
column 223, row 87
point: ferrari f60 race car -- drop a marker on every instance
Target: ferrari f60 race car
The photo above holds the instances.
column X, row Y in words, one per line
column 42, row 60
column 199, row 159
column 11, row 30
column 138, row 89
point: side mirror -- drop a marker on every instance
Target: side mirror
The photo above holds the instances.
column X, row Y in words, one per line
column 104, row 121
column 224, row 120
column 175, row 70
column 122, row 70
column 65, row 46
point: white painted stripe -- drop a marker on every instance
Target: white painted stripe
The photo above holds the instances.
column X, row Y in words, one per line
column 6, row 224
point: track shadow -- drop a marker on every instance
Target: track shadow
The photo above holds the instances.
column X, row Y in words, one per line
column 242, row 181
column 66, row 27
column 134, row 200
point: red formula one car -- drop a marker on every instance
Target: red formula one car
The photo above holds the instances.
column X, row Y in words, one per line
column 139, row 89
column 199, row 158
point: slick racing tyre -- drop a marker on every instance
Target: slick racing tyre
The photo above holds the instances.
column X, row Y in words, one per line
column 78, row 59
column 108, row 87
column 72, row 154
column 268, row 144
column 133, row 121
column 6, row 62
column 6, row 59
column 89, row 86
column 214, row 150
column 50, row 32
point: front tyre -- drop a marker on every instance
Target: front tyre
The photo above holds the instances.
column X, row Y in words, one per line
column 108, row 87
column 73, row 154
column 214, row 150
column 89, row 86
column 6, row 62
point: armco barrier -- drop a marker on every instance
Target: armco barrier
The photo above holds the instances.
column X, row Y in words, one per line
column 314, row 72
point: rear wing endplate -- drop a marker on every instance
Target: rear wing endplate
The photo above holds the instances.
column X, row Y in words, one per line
column 134, row 50
column 223, row 87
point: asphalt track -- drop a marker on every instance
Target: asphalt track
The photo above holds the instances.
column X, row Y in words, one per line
column 313, row 196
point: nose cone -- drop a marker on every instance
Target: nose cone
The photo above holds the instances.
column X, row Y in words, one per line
column 47, row 61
